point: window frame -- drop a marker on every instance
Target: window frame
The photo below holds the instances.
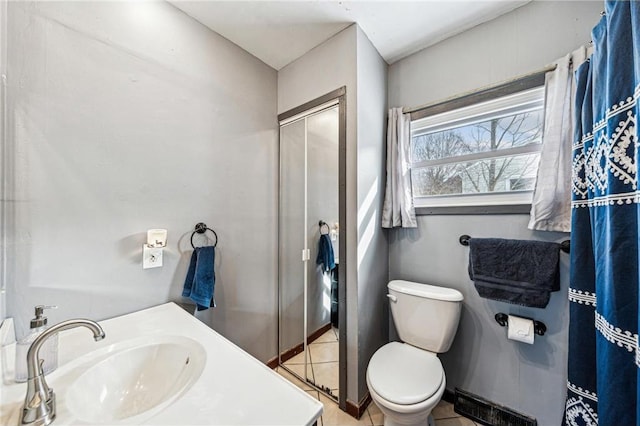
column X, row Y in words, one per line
column 486, row 203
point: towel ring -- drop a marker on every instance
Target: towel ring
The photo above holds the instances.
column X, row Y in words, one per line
column 321, row 224
column 201, row 228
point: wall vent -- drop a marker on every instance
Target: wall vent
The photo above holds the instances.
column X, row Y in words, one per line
column 488, row 413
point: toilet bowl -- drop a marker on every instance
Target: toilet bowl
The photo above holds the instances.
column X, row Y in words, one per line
column 406, row 383
column 406, row 379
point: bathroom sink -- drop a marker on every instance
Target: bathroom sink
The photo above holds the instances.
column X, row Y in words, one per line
column 134, row 383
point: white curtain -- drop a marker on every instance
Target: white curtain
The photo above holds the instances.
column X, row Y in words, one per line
column 551, row 204
column 398, row 210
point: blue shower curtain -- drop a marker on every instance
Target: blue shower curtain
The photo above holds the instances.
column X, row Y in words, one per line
column 603, row 333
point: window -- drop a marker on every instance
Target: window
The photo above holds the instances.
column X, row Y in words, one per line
column 479, row 155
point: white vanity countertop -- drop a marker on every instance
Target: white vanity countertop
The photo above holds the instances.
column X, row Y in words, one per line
column 233, row 389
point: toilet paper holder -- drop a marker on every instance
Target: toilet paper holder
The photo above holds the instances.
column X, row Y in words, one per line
column 538, row 326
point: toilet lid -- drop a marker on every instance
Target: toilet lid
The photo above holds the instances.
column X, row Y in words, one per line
column 403, row 374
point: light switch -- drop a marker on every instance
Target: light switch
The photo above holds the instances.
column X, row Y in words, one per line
column 151, row 257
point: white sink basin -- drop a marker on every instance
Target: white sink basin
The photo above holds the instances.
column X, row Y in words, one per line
column 101, row 383
column 134, row 383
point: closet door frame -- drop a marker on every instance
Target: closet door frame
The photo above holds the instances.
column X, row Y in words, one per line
column 339, row 95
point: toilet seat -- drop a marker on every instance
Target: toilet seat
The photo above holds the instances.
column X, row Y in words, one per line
column 405, row 375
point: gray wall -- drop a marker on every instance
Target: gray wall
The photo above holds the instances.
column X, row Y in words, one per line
column 350, row 59
column 529, row 379
column 3, row 156
column 127, row 116
column 517, row 43
column 325, row 68
column 373, row 247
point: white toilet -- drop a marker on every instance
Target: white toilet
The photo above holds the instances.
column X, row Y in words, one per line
column 406, row 380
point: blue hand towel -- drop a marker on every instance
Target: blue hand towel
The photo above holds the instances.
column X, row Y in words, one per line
column 201, row 278
column 514, row 271
column 325, row 253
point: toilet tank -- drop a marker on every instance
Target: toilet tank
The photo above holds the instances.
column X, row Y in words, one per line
column 425, row 316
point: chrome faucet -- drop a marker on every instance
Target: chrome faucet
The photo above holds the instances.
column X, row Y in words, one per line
column 40, row 402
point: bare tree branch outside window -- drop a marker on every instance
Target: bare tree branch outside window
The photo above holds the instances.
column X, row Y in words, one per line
column 495, row 173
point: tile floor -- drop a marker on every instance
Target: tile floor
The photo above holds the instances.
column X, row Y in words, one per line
column 333, row 416
column 322, row 361
column 322, row 367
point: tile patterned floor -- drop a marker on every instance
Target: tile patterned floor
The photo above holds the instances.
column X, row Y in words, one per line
column 322, row 368
column 322, row 361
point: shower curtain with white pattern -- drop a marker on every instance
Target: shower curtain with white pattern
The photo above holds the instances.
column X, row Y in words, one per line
column 603, row 333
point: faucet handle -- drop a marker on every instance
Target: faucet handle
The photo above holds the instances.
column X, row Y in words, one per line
column 40, row 308
column 40, row 319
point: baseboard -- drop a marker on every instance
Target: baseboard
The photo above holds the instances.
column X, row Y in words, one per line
column 449, row 396
column 357, row 410
column 319, row 332
column 272, row 363
column 290, row 353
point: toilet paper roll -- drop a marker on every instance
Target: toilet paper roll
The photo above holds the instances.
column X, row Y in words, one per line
column 520, row 329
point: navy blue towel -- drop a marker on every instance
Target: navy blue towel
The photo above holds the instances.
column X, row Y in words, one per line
column 325, row 253
column 514, row 271
column 201, row 278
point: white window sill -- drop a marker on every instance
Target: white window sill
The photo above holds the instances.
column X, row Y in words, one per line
column 515, row 202
column 474, row 210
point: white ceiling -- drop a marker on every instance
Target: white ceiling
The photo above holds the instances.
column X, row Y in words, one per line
column 278, row 32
